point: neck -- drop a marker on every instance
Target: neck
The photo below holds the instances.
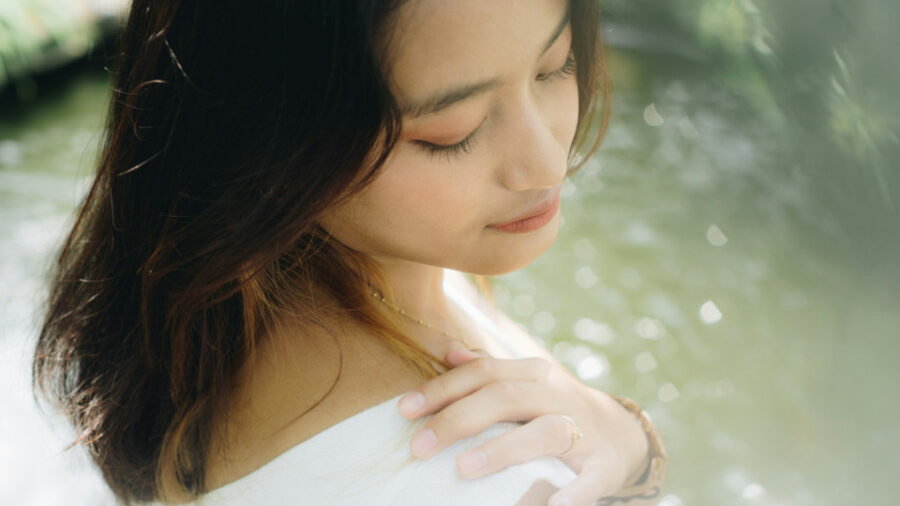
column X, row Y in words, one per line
column 418, row 289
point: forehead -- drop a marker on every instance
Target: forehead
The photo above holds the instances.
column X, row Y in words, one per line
column 439, row 42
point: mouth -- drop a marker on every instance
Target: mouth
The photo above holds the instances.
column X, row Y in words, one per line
column 534, row 218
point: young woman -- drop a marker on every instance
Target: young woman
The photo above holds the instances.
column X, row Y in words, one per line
column 268, row 259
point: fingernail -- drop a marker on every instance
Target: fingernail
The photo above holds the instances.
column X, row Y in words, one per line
column 411, row 403
column 472, row 462
column 459, row 355
column 560, row 501
column 423, row 442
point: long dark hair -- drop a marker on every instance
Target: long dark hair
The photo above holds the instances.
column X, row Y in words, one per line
column 231, row 128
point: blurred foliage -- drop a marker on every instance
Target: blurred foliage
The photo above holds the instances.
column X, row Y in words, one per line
column 40, row 35
column 823, row 76
column 824, row 66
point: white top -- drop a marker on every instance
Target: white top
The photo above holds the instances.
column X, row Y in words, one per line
column 365, row 459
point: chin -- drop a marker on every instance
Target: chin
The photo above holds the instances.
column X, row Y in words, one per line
column 516, row 251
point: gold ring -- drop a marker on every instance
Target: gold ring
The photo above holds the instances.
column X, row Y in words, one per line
column 576, row 434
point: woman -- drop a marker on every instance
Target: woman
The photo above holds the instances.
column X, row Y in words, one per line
column 259, row 266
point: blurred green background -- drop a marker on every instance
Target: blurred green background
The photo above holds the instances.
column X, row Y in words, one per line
column 730, row 259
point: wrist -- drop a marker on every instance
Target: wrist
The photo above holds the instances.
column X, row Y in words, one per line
column 647, row 482
column 639, row 450
column 640, row 470
column 633, row 445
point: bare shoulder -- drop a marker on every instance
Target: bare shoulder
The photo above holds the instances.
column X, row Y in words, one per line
column 298, row 386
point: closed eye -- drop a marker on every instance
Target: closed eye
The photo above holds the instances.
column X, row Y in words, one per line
column 451, row 150
column 568, row 69
column 465, row 145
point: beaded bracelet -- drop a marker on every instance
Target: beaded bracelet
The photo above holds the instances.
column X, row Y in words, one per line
column 649, row 484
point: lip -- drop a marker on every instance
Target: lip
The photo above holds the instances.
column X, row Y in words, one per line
column 533, row 219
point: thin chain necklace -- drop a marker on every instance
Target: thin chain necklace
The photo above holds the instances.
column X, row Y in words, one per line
column 420, row 322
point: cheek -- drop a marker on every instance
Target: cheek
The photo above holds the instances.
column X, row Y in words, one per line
column 568, row 110
column 423, row 197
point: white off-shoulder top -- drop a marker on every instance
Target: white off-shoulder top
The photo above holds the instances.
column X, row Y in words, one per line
column 365, row 459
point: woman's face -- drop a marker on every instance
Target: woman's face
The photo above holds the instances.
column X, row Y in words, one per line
column 490, row 107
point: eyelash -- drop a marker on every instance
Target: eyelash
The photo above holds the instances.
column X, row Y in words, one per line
column 465, row 145
column 568, row 69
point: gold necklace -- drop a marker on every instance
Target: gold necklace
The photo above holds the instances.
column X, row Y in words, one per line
column 420, row 322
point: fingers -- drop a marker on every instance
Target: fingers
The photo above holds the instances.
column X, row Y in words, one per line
column 598, row 479
column 496, row 402
column 466, row 378
column 545, row 435
column 459, row 355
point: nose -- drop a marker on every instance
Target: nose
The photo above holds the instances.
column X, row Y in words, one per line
column 535, row 158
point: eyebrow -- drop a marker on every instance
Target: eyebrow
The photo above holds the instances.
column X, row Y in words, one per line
column 446, row 98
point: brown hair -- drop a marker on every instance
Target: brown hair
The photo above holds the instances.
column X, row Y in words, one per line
column 199, row 229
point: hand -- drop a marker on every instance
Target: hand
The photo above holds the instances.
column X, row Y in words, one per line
column 480, row 391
